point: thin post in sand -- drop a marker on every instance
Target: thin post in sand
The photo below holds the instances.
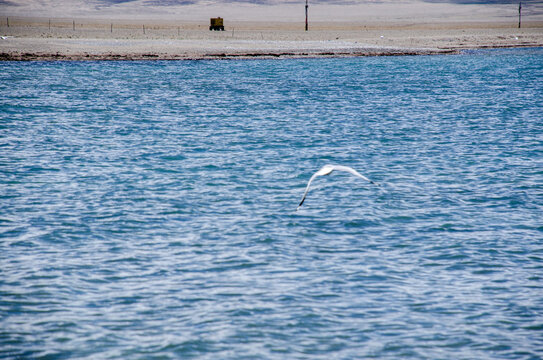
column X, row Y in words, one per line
column 111, row 28
column 7, row 21
column 73, row 25
column 144, row 29
column 306, row 6
column 519, row 13
column 49, row 24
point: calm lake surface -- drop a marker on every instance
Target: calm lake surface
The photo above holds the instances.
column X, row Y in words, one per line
column 148, row 209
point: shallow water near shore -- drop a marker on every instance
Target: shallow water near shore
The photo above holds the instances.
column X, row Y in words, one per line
column 148, row 209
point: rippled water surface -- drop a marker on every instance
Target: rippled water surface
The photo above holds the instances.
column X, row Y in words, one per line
column 148, row 209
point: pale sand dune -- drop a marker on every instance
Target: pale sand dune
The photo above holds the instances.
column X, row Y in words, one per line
column 276, row 10
column 181, row 32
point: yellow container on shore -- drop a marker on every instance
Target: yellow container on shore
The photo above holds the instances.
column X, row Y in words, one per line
column 216, row 24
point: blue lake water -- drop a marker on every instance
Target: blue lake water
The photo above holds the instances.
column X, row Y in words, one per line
column 148, row 209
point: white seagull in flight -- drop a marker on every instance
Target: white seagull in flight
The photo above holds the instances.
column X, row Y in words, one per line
column 327, row 170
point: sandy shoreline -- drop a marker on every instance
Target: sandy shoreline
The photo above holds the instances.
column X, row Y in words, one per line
column 109, row 39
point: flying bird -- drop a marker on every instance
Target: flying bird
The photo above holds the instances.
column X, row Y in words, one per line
column 327, row 170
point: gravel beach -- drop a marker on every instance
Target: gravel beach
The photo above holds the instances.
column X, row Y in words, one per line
column 115, row 36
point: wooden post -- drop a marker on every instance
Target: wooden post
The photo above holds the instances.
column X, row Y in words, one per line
column 144, row 29
column 7, row 21
column 306, row 6
column 519, row 13
column 49, row 24
column 111, row 28
column 73, row 25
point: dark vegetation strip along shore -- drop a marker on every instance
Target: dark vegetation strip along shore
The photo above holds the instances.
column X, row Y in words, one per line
column 27, row 56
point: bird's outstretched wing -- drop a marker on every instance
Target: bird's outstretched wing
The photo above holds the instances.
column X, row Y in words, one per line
column 307, row 189
column 352, row 171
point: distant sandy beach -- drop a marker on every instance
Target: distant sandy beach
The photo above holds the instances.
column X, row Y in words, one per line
column 392, row 30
